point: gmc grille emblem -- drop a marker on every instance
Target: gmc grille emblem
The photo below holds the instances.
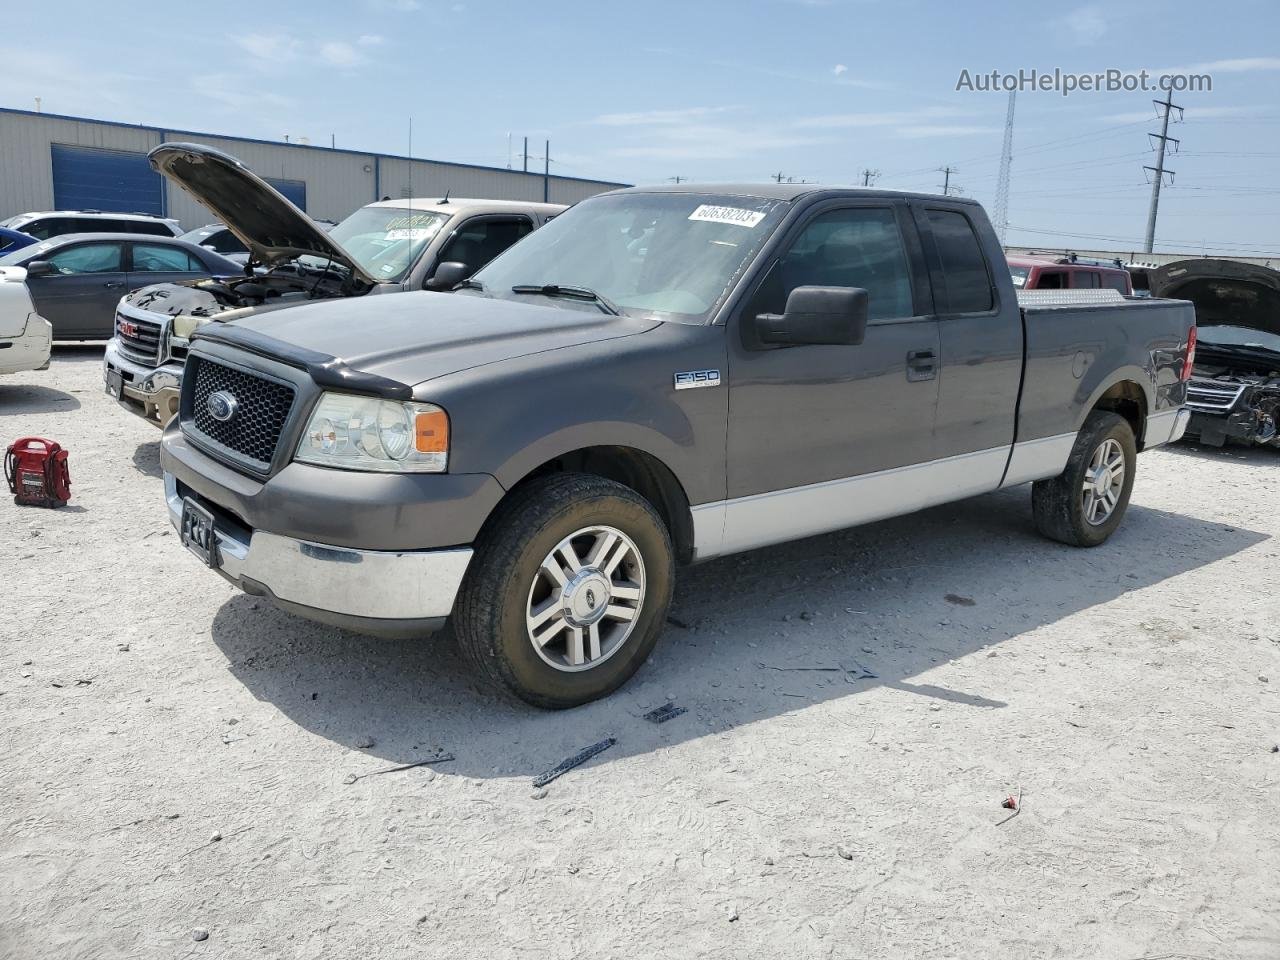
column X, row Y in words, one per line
column 222, row 406
column 127, row 327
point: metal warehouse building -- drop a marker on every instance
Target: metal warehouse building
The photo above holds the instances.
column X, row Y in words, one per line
column 52, row 162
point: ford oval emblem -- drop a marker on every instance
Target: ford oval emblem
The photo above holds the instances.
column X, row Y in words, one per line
column 222, row 406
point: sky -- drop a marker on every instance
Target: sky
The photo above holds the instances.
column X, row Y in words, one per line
column 816, row 90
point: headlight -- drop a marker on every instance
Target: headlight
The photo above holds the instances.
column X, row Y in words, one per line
column 184, row 326
column 365, row 433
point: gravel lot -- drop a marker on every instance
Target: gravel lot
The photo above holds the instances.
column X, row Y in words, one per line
column 797, row 809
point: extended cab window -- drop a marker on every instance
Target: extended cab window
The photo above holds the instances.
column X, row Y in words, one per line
column 479, row 241
column 1084, row 280
column 857, row 247
column 966, row 286
column 153, row 258
column 88, row 258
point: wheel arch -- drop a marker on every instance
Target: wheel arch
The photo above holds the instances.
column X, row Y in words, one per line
column 1125, row 395
column 635, row 468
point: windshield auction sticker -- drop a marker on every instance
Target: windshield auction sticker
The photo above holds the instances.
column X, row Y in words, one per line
column 734, row 215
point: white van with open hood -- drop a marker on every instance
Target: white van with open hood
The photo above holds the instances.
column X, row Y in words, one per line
column 390, row 246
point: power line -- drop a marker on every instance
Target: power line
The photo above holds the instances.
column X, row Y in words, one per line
column 1158, row 170
column 946, row 180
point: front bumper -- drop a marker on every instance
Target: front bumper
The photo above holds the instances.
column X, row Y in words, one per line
column 148, row 392
column 388, row 593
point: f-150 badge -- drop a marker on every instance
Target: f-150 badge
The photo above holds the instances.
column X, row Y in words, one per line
column 692, row 379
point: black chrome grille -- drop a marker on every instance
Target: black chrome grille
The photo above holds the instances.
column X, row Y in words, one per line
column 260, row 409
column 140, row 340
column 1213, row 396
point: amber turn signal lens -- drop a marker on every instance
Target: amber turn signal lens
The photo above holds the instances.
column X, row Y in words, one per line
column 431, row 432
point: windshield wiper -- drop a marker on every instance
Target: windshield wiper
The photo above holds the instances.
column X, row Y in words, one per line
column 572, row 292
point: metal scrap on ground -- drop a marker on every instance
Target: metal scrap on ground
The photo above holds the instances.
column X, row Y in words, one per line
column 579, row 758
column 443, row 758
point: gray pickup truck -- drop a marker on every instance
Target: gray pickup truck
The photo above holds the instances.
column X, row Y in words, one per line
column 656, row 377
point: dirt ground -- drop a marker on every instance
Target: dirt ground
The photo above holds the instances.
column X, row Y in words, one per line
column 799, row 808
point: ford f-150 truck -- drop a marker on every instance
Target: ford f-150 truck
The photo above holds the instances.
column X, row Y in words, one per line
column 386, row 247
column 657, row 376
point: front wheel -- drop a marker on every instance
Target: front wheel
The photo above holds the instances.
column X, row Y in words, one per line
column 568, row 590
column 1084, row 504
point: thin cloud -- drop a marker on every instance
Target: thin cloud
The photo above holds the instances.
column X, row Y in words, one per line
column 338, row 53
column 649, row 118
column 371, row 40
column 839, row 69
column 1084, row 26
column 1199, row 113
column 920, row 131
column 834, row 121
column 269, row 48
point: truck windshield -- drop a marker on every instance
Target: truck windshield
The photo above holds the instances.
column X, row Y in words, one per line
column 1020, row 275
column 672, row 256
column 385, row 241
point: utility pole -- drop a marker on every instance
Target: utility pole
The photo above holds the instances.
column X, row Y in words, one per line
column 526, row 154
column 946, row 179
column 868, row 176
column 677, row 179
column 1002, row 182
column 778, row 176
column 1158, row 170
column 546, row 172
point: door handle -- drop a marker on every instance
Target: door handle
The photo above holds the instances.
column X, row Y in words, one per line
column 921, row 365
column 114, row 283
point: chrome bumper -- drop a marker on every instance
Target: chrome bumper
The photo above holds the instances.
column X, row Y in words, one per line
column 1167, row 427
column 148, row 392
column 362, row 589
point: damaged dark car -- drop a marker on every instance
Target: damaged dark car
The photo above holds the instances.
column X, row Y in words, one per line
column 1234, row 393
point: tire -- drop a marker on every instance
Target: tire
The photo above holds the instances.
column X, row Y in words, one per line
column 1062, row 505
column 511, row 582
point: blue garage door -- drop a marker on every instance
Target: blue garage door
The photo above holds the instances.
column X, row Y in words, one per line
column 295, row 191
column 90, row 178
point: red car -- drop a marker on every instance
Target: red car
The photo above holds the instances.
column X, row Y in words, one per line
column 1036, row 273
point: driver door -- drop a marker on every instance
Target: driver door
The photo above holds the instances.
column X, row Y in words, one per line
column 823, row 436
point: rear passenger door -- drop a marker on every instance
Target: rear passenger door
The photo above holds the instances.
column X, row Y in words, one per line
column 79, row 298
column 162, row 263
column 981, row 338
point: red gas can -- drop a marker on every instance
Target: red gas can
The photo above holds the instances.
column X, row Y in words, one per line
column 37, row 473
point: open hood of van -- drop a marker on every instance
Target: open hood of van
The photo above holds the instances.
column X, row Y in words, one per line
column 271, row 227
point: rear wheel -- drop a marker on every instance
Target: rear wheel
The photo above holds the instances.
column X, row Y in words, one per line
column 1085, row 503
column 567, row 592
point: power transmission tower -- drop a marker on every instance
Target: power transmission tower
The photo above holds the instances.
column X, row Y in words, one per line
column 1002, row 182
column 779, row 176
column 1158, row 170
column 677, row 179
column 946, row 180
column 868, row 176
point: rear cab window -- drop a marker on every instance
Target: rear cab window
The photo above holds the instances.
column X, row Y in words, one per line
column 964, row 284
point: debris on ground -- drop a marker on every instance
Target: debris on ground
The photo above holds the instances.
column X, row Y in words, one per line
column 364, row 743
column 668, row 711
column 199, row 934
column 1009, row 803
column 959, row 601
column 539, row 794
column 442, row 758
column 853, row 671
column 844, row 853
column 677, row 623
column 579, row 758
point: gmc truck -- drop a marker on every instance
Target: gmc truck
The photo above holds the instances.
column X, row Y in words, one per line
column 386, row 247
column 658, row 376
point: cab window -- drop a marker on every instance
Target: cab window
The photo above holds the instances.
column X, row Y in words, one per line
column 88, row 258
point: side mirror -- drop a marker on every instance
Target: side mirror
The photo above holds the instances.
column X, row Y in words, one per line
column 836, row 315
column 448, row 275
column 40, row 268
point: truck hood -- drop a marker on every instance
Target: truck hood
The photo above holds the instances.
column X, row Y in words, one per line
column 415, row 337
column 15, row 301
column 271, row 227
column 1224, row 292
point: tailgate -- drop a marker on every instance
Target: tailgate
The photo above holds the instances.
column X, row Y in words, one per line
column 15, row 302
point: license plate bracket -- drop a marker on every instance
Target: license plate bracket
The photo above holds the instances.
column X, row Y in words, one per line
column 115, row 384
column 196, row 532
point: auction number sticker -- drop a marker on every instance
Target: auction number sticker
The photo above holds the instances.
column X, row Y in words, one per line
column 734, row 215
column 411, row 233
